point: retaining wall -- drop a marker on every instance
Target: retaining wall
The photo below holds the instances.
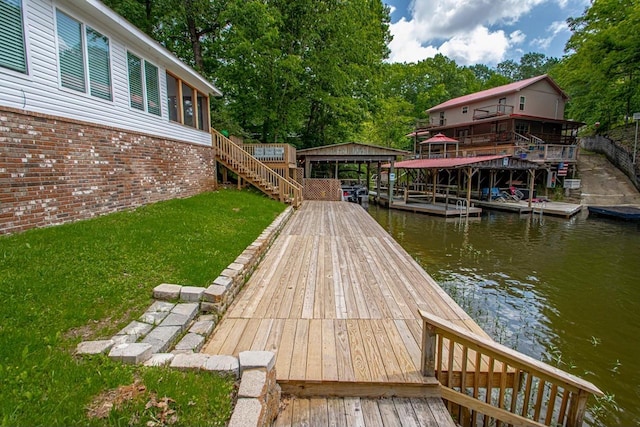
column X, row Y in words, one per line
column 617, row 154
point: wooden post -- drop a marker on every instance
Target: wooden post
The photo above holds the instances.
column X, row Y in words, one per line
column 470, row 172
column 428, row 359
column 532, row 179
column 336, row 171
column 307, row 168
column 378, row 181
column 391, row 173
column 577, row 407
column 435, row 183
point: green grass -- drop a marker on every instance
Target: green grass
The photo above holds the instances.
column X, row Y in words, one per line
column 87, row 280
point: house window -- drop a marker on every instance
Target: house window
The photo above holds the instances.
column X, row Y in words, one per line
column 521, row 103
column 465, row 110
column 144, row 87
column 442, row 119
column 186, row 104
column 522, row 128
column 75, row 43
column 203, row 112
column 12, row 41
column 172, row 98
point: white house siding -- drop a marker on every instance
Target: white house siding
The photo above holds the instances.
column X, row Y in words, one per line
column 40, row 90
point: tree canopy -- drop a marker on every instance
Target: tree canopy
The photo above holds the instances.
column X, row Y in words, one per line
column 313, row 72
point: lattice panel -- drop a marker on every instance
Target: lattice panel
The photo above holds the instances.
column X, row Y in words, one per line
column 322, row 189
column 299, row 175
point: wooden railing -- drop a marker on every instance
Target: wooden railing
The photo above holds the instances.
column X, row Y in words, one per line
column 253, row 170
column 492, row 111
column 486, row 383
column 272, row 153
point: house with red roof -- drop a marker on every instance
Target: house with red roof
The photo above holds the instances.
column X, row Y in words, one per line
column 524, row 119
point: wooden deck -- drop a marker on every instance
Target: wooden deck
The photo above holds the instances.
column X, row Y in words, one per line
column 337, row 300
column 422, row 205
column 368, row 412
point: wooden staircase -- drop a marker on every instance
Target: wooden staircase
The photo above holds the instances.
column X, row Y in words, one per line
column 239, row 161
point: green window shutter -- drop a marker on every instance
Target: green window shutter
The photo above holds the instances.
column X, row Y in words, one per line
column 70, row 52
column 153, row 88
column 12, row 46
column 99, row 64
column 135, row 81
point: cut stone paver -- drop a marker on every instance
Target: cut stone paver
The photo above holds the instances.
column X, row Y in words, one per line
column 133, row 353
column 224, row 365
column 188, row 309
column 174, row 319
column 223, row 281
column 190, row 342
column 167, row 291
column 214, row 293
column 247, row 413
column 235, row 266
column 136, row 329
column 257, row 359
column 94, row 347
column 160, row 359
column 189, row 361
column 162, row 337
column 191, row 293
column 154, row 317
column 253, row 383
column 202, row 327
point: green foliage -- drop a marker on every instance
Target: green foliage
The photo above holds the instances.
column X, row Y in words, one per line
column 89, row 279
column 601, row 73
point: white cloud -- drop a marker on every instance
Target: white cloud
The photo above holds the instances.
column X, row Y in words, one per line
column 553, row 30
column 464, row 30
column 475, row 47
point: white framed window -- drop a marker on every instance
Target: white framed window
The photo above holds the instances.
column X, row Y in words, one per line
column 84, row 57
column 13, row 52
column 144, row 85
column 521, row 106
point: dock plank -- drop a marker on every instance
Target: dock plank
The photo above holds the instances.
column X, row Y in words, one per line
column 337, row 299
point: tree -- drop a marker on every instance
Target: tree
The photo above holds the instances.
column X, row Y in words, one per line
column 601, row 75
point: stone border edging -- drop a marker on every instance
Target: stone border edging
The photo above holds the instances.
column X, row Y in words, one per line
column 190, row 313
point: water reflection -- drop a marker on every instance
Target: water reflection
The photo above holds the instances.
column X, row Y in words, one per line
column 564, row 291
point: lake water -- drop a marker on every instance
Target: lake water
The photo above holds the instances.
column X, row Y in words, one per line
column 566, row 291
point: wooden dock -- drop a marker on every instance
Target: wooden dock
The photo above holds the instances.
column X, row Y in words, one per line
column 337, row 300
column 421, row 205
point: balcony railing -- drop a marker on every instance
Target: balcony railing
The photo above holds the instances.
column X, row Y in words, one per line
column 492, row 111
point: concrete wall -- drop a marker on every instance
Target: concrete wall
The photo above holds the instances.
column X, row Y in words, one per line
column 55, row 170
column 620, row 156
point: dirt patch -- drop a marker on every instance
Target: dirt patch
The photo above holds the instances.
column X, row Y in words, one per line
column 105, row 402
column 158, row 411
column 90, row 330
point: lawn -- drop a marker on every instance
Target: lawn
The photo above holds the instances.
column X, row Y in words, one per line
column 87, row 280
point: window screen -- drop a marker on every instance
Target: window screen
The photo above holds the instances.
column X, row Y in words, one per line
column 136, row 96
column 70, row 52
column 12, row 46
column 99, row 64
column 153, row 88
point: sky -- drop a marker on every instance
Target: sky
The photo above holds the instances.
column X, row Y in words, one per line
column 480, row 31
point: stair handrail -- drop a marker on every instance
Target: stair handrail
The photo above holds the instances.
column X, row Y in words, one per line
column 506, row 369
column 234, row 155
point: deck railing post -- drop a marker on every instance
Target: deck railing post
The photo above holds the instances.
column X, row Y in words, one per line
column 428, row 350
column 577, row 408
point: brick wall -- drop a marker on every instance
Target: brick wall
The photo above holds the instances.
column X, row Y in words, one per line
column 55, row 170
